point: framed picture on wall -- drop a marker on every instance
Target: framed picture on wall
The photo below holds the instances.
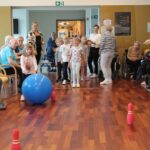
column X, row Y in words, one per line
column 123, row 23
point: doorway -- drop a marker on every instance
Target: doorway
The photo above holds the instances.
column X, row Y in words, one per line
column 70, row 28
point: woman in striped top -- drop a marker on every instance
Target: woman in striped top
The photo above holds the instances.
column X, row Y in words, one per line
column 107, row 51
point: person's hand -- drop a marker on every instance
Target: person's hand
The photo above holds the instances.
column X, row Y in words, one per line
column 147, row 42
column 34, row 71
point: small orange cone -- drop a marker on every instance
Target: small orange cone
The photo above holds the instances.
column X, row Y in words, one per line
column 15, row 140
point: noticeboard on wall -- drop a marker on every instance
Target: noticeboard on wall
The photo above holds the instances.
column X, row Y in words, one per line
column 123, row 23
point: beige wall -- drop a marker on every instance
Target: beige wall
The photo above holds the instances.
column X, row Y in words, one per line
column 140, row 15
column 5, row 23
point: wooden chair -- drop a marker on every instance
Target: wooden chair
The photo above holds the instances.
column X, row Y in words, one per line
column 3, row 83
column 11, row 76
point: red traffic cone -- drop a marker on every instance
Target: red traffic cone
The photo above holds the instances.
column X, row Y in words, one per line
column 130, row 115
column 15, row 140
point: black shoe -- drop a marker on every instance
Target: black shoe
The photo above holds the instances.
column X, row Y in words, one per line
column 58, row 80
column 68, row 81
column 2, row 106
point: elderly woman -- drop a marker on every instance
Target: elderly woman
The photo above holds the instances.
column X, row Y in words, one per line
column 134, row 58
column 37, row 37
column 107, row 51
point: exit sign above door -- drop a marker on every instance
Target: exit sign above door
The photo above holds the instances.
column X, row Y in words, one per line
column 59, row 3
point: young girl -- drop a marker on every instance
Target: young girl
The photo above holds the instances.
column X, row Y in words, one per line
column 59, row 42
column 65, row 54
column 76, row 55
column 84, row 45
column 28, row 63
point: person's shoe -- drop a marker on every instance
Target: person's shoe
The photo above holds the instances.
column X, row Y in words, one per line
column 22, row 98
column 68, row 81
column 73, row 85
column 143, row 83
column 58, row 80
column 109, row 81
column 64, row 82
column 82, row 78
column 93, row 75
column 103, row 82
column 78, row 85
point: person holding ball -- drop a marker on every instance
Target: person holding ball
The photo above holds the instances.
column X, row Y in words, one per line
column 28, row 63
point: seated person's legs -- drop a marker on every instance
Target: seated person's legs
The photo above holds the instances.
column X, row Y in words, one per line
column 130, row 65
column 10, row 71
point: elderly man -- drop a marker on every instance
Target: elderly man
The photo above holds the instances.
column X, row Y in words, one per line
column 7, row 40
column 8, row 58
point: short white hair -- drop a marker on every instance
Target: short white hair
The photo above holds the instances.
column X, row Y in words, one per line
column 12, row 42
column 7, row 39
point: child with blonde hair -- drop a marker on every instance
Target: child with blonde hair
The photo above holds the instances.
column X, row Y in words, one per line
column 65, row 54
column 59, row 42
column 76, row 56
column 28, row 63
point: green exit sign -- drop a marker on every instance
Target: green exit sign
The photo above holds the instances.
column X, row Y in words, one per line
column 59, row 3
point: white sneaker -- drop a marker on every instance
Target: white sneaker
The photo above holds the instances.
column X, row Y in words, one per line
column 93, row 75
column 143, row 83
column 103, row 82
column 73, row 85
column 106, row 82
column 78, row 85
column 109, row 81
column 22, row 98
column 82, row 79
column 64, row 82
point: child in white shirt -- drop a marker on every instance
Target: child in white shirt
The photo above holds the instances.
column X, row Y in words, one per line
column 59, row 42
column 65, row 54
column 76, row 56
column 28, row 63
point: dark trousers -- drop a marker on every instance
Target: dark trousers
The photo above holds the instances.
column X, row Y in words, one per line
column 65, row 72
column 38, row 57
column 133, row 65
column 93, row 57
column 10, row 71
column 59, row 70
column 51, row 58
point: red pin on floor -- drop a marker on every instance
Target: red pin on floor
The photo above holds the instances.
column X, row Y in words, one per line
column 130, row 115
column 15, row 140
column 53, row 95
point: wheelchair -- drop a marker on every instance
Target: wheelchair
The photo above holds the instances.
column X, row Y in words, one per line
column 45, row 63
column 126, row 71
column 125, row 68
column 115, row 67
column 143, row 72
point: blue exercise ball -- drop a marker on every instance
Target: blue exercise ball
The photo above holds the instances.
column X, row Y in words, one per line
column 37, row 88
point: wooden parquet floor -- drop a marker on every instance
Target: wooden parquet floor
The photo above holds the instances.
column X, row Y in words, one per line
column 92, row 117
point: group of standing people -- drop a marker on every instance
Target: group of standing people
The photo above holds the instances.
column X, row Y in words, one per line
column 70, row 55
column 73, row 55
